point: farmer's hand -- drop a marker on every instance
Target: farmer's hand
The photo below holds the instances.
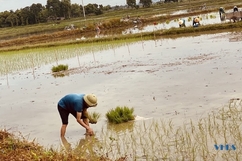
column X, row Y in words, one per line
column 89, row 131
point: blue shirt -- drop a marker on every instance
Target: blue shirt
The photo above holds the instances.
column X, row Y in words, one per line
column 72, row 102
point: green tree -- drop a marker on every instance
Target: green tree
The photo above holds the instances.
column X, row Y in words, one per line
column 146, row 3
column 106, row 8
column 3, row 17
column 43, row 15
column 35, row 10
column 25, row 16
column 66, row 8
column 2, row 20
column 98, row 11
column 54, row 8
column 18, row 20
column 91, row 8
column 131, row 3
column 76, row 10
column 11, row 19
column 101, row 7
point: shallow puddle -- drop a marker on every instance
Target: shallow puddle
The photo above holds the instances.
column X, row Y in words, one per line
column 179, row 79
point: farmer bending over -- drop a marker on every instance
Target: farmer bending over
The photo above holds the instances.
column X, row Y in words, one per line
column 182, row 23
column 77, row 105
column 196, row 22
column 236, row 9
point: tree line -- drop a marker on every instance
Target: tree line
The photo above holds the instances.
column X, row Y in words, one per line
column 55, row 10
column 144, row 3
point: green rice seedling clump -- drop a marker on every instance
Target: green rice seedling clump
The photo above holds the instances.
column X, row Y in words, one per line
column 189, row 19
column 59, row 68
column 120, row 115
column 93, row 117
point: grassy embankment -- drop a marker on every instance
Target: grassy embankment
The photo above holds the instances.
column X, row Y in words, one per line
column 51, row 34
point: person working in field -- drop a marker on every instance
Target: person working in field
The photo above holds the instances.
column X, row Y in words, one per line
column 182, row 23
column 235, row 9
column 98, row 30
column 221, row 13
column 196, row 22
column 77, row 105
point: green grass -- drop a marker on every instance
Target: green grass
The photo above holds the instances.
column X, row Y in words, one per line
column 120, row 115
column 59, row 68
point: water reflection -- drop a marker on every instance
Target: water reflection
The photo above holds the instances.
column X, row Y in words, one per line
column 7, row 80
column 121, row 128
column 57, row 75
column 66, row 144
column 86, row 147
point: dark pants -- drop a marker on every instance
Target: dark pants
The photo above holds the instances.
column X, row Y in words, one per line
column 64, row 114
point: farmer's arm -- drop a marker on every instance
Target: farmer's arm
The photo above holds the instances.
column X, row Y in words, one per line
column 80, row 121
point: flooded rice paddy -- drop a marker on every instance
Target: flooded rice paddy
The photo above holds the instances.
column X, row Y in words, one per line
column 206, row 19
column 179, row 79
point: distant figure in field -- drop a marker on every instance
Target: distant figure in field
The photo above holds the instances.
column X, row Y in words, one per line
column 182, row 23
column 221, row 13
column 98, row 30
column 236, row 9
column 235, row 18
column 196, row 22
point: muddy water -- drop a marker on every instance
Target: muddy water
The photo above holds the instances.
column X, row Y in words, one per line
column 206, row 19
column 178, row 79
